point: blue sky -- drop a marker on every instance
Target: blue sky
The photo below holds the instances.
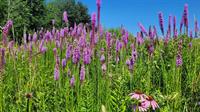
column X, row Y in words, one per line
column 128, row 13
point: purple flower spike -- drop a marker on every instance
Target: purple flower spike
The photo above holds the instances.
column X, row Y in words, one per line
column 5, row 31
column 82, row 73
column 140, row 40
column 154, row 31
column 179, row 61
column 48, row 36
column 87, row 53
column 151, row 34
column 56, row 73
column 69, row 51
column 174, row 25
column 62, row 33
column 185, row 13
column 125, row 38
column 161, row 22
column 142, row 29
column 82, row 41
column 103, row 67
column 191, row 34
column 10, row 45
column 63, row 63
column 98, row 2
column 169, row 25
column 65, row 17
column 196, row 27
column 102, row 58
column 72, row 81
column 93, row 19
column 76, row 55
column 118, row 45
column 43, row 50
column 108, row 39
column 55, row 52
column 3, row 56
column 35, row 37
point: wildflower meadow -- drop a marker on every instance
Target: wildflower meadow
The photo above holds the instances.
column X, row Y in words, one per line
column 86, row 68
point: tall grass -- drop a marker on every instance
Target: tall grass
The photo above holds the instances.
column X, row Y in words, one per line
column 28, row 82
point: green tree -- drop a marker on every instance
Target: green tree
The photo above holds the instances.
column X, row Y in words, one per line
column 3, row 11
column 19, row 13
column 77, row 12
column 37, row 10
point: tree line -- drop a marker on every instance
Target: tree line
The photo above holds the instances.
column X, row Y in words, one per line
column 31, row 15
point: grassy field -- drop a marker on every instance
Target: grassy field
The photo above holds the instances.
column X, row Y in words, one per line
column 87, row 70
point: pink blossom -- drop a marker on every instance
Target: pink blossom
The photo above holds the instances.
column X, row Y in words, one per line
column 150, row 102
column 138, row 95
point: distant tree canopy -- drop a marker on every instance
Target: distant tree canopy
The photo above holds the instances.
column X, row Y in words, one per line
column 77, row 12
column 34, row 14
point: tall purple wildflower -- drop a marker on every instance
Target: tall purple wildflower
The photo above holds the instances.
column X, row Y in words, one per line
column 3, row 57
column 93, row 30
column 11, row 44
column 174, row 25
column 35, row 37
column 101, row 31
column 125, row 38
column 131, row 62
column 167, row 38
column 179, row 60
column 176, row 34
column 161, row 22
column 55, row 52
column 41, row 45
column 58, row 60
column 5, row 31
column 140, row 40
column 196, row 27
column 185, row 14
column 58, row 45
column 87, row 53
column 191, row 34
column 98, row 2
column 169, row 25
column 62, row 33
column 154, row 31
column 48, row 36
column 76, row 55
column 56, row 73
column 69, row 52
column 72, row 81
column 151, row 49
column 151, row 35
column 82, row 73
column 82, row 41
column 65, row 17
column 31, row 48
column 64, row 63
column 108, row 39
column 142, row 29
column 43, row 50
column 118, row 45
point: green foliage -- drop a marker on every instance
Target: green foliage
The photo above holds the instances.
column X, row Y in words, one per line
column 34, row 14
column 77, row 12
